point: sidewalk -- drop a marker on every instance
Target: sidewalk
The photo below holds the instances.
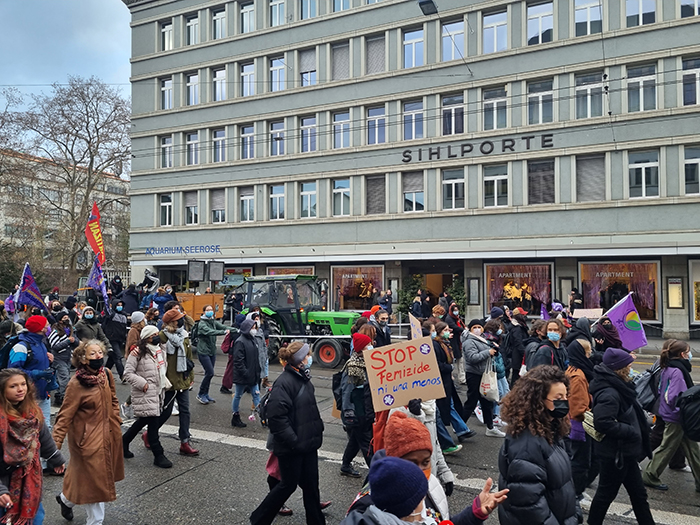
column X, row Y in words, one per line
column 655, row 343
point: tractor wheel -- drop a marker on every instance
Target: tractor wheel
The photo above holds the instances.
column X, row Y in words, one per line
column 274, row 343
column 329, row 352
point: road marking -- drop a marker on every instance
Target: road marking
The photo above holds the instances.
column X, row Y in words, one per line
column 616, row 509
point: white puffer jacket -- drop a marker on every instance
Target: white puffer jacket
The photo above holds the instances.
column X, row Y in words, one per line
column 146, row 370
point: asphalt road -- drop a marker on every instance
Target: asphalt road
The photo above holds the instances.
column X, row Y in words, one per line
column 227, row 481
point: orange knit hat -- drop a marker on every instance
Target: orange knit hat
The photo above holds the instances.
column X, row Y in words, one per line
column 375, row 309
column 404, row 435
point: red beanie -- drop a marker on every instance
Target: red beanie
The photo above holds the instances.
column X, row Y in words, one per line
column 404, row 435
column 35, row 323
column 360, row 341
column 366, row 314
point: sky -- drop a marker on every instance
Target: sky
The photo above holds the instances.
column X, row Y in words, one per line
column 44, row 41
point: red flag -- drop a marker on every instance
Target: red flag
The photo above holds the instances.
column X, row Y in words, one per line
column 93, row 232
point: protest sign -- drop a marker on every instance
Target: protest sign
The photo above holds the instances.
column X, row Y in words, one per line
column 416, row 329
column 403, row 371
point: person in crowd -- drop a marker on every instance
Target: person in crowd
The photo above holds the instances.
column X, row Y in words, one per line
column 130, row 297
column 387, row 301
column 426, row 306
column 227, row 379
column 55, row 308
column 533, row 461
column 496, row 313
column 580, row 330
column 53, row 296
column 116, row 286
column 62, row 342
column 297, row 433
column 454, row 322
column 477, row 350
column 383, row 337
column 24, row 437
column 500, row 367
column 417, row 307
column 438, row 314
column 209, row 329
column 8, row 330
column 551, row 352
column 445, row 301
column 71, row 304
column 138, row 322
column 153, row 316
column 675, row 379
column 115, row 328
column 163, row 295
column 3, row 313
column 146, row 372
column 261, row 334
column 618, row 415
column 88, row 328
column 519, row 334
column 246, row 370
column 96, row 458
column 607, row 331
column 575, row 300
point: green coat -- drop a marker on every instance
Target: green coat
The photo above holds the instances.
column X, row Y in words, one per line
column 178, row 379
column 208, row 330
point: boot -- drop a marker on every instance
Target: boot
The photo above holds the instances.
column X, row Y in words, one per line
column 162, row 462
column 187, row 450
column 236, row 421
column 266, row 383
column 127, row 453
column 145, row 440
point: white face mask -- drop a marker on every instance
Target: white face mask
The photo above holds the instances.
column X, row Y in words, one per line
column 426, row 516
column 253, row 332
column 477, row 331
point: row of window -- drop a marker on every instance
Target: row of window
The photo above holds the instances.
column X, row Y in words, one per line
column 643, row 181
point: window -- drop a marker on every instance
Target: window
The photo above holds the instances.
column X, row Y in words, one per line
column 218, row 24
column 192, row 30
column 308, row 134
column 691, row 81
column 166, row 152
column 308, row 9
column 247, row 142
column 644, row 174
column 341, row 197
column 247, row 204
column 413, row 120
column 375, row 55
column 452, row 189
column 277, row 138
column 692, row 170
column 376, row 126
column 277, row 74
column 496, row 186
column 540, row 105
column 540, row 23
column 495, row 107
column 191, row 208
column 589, row 95
column 341, row 61
column 219, row 84
column 452, row 114
column 341, row 130
column 341, row 5
column 192, row 89
column 277, row 202
column 641, row 12
column 376, row 195
column 413, row 197
column 276, row 13
column 166, row 209
column 453, row 41
column 166, row 36
column 495, row 32
column 219, row 145
column 247, row 18
column 307, row 65
column 641, row 88
column 166, row 93
column 588, row 17
column 192, row 148
column 218, row 206
column 590, row 178
column 308, row 200
column 540, row 182
column 248, row 80
column 690, row 8
column 413, row 48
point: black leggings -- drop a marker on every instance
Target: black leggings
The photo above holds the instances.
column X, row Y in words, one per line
column 153, row 439
column 474, row 397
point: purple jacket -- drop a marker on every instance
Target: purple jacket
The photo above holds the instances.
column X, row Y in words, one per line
column 671, row 385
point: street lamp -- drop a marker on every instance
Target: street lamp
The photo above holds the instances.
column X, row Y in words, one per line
column 428, row 7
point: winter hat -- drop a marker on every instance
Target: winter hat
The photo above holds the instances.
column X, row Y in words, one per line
column 519, row 311
column 137, row 317
column 616, row 359
column 375, row 309
column 496, row 312
column 299, row 352
column 557, row 307
column 367, row 314
column 404, row 435
column 247, row 325
column 397, row 486
column 148, row 331
column 70, row 302
column 6, row 327
column 35, row 323
column 88, row 308
column 476, row 322
column 360, row 341
column 172, row 315
column 239, row 319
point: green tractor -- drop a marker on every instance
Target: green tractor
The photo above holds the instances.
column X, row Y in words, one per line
column 295, row 308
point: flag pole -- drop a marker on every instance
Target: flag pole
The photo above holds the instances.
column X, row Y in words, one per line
column 611, row 309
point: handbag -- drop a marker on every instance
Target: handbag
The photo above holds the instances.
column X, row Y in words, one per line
column 489, row 382
column 589, row 426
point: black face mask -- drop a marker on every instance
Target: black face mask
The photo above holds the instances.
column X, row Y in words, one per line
column 155, row 341
column 561, row 408
column 181, row 322
column 96, row 364
column 57, row 308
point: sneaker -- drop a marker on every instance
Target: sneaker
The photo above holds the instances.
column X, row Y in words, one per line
column 684, row 469
column 209, row 399
column 585, row 501
column 451, row 450
column 225, row 390
column 468, row 434
column 349, row 471
column 66, row 511
column 495, row 433
column 203, row 399
column 479, row 414
column 498, row 421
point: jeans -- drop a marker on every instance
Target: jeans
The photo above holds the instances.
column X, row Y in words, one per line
column 45, row 406
column 458, row 424
column 474, row 397
column 115, row 358
column 153, row 439
column 183, row 403
column 254, row 391
column 208, row 362
column 443, row 435
column 503, row 389
column 359, row 439
column 62, row 369
column 674, row 438
column 38, row 517
column 95, row 511
column 296, row 470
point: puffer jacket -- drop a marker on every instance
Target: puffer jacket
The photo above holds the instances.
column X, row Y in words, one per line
column 476, row 351
column 246, row 365
column 140, row 371
column 208, row 330
column 539, row 478
column 548, row 354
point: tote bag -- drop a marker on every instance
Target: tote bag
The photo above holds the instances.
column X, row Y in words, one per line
column 489, row 382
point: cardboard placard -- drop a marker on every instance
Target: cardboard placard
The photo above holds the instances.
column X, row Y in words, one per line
column 403, row 371
column 416, row 328
column 588, row 313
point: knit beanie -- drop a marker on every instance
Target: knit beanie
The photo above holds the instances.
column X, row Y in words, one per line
column 360, row 341
column 397, row 486
column 476, row 322
column 367, row 314
column 404, row 435
column 375, row 309
column 35, row 323
column 496, row 312
column 5, row 327
column 148, row 331
column 616, row 359
column 70, row 302
column 238, row 320
column 137, row 317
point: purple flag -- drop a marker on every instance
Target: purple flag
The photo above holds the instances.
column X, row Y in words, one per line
column 96, row 281
column 543, row 312
column 28, row 292
column 625, row 318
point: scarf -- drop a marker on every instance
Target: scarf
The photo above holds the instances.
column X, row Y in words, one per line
column 88, row 378
column 578, row 359
column 357, row 370
column 684, row 366
column 19, row 438
column 157, row 353
column 447, row 348
column 176, row 346
column 610, row 334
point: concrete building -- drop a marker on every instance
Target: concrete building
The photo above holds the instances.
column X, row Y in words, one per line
column 530, row 147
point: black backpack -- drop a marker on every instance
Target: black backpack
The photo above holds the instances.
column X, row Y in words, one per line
column 194, row 335
column 647, row 387
column 689, row 403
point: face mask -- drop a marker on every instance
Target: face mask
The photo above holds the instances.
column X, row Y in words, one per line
column 690, row 356
column 119, row 308
column 426, row 516
column 96, row 364
column 169, row 290
column 382, row 323
column 455, row 313
column 477, row 331
column 499, row 332
column 309, row 362
column 155, row 341
column 209, row 314
column 89, row 316
column 56, row 308
column 561, row 408
column 253, row 332
column 446, row 335
column 433, row 335
column 553, row 336
column 181, row 322
column 66, row 321
column 369, row 347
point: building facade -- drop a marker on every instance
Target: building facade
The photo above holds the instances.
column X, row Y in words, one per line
column 528, row 147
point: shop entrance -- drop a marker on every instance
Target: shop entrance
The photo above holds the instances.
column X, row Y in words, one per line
column 436, row 283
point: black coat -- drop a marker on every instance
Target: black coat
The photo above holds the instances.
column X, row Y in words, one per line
column 539, row 478
column 130, row 298
column 293, row 417
column 548, row 354
column 383, row 335
column 114, row 326
column 516, row 342
column 246, row 364
column 456, row 335
column 618, row 415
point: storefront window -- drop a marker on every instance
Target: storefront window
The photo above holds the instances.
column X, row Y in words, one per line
column 234, row 276
column 519, row 285
column 355, row 286
column 288, row 270
column 695, row 290
column 604, row 284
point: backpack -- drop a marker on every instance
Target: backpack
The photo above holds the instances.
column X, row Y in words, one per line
column 689, row 403
column 647, row 387
column 227, row 343
column 194, row 335
column 337, row 389
column 262, row 407
column 7, row 348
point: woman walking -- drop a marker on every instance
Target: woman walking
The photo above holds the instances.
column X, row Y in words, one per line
column 246, row 370
column 209, row 330
column 90, row 417
column 552, row 351
column 62, row 342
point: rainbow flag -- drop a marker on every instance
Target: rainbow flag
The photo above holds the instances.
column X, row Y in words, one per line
column 28, row 292
column 625, row 318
